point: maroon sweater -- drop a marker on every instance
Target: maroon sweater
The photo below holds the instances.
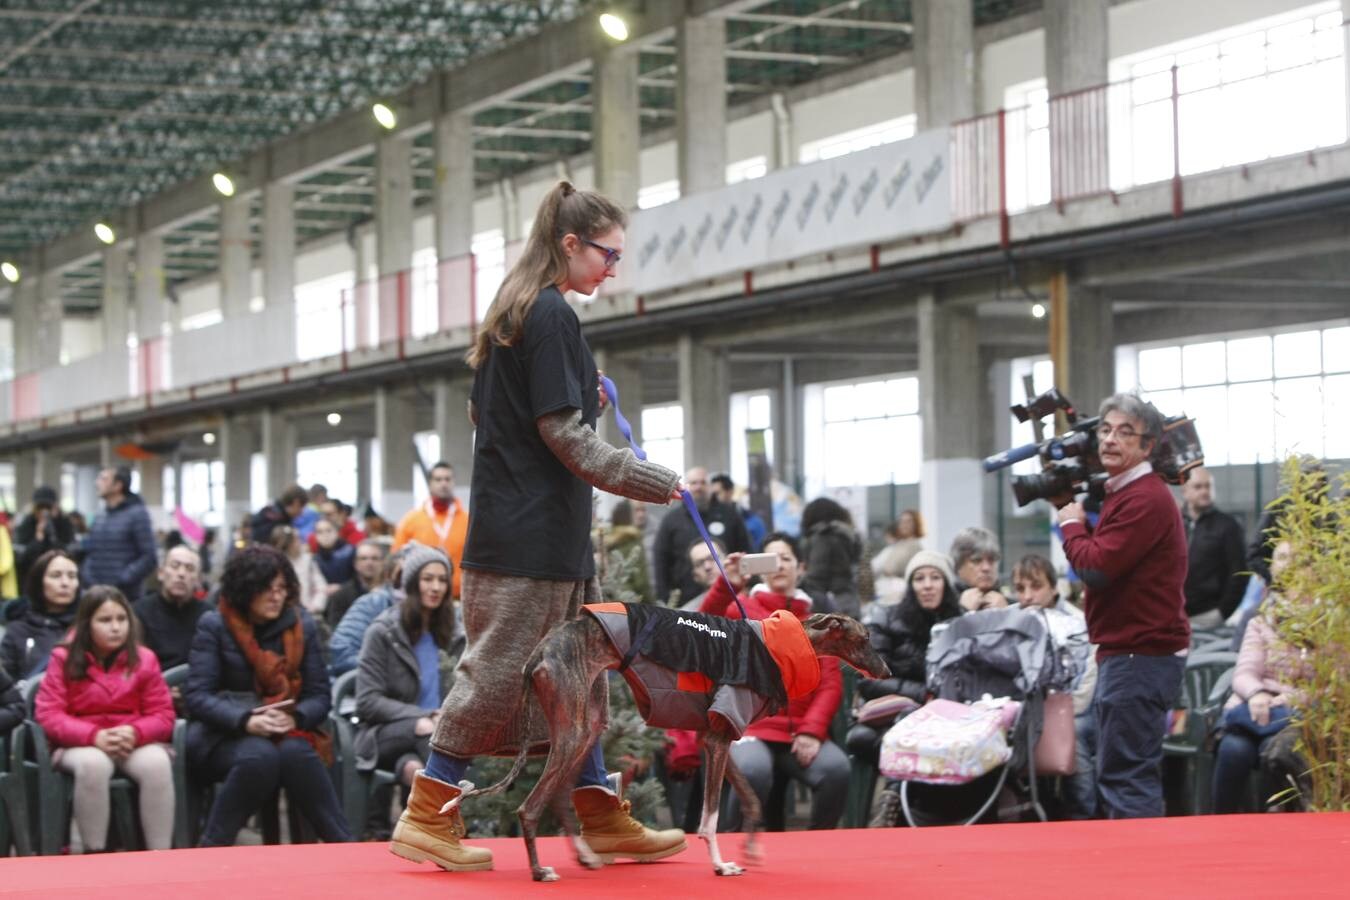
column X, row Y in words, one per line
column 1134, row 566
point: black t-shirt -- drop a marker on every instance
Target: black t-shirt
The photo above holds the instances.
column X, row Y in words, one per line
column 530, row 515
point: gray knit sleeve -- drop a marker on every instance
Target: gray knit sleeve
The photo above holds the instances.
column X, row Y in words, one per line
column 602, row 465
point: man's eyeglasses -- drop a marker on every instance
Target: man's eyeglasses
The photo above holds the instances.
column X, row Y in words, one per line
column 612, row 256
column 1122, row 432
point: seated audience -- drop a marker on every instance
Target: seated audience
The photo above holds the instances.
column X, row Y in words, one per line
column 313, row 587
column 344, row 647
column 406, row 669
column 258, row 697
column 975, row 557
column 47, row 611
column 335, row 557
column 12, row 709
column 832, row 551
column 794, row 744
column 904, row 538
column 1034, row 580
column 44, row 528
column 340, row 514
column 367, row 575
column 105, row 707
column 283, row 511
column 704, row 569
column 1262, row 699
column 169, row 616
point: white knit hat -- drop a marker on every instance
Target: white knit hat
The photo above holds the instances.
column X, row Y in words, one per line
column 934, row 559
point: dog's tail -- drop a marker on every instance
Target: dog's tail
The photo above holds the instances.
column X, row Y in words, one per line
column 526, row 695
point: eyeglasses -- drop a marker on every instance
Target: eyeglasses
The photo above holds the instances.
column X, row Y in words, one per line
column 612, row 256
column 1122, row 432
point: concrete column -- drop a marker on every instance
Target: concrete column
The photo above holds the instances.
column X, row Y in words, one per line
column 86, row 490
column 701, row 103
column 25, row 318
column 615, row 127
column 1076, row 44
column 626, row 373
column 362, row 472
column 47, row 335
column 787, row 417
column 238, row 439
column 25, row 478
column 150, row 293
column 451, row 421
column 1082, row 343
column 278, row 445
column 784, row 144
column 506, row 194
column 452, row 196
column 278, row 261
column 393, row 233
column 236, row 257
column 48, row 465
column 705, row 396
column 116, row 296
column 944, row 61
column 105, row 451
column 394, row 427
column 152, row 489
column 951, row 481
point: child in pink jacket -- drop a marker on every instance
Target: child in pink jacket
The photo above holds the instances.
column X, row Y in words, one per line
column 104, row 704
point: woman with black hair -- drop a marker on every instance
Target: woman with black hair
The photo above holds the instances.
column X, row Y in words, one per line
column 406, row 669
column 258, row 695
column 104, row 705
column 50, row 592
column 832, row 551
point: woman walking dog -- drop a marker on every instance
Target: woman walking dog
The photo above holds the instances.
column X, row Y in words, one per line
column 528, row 563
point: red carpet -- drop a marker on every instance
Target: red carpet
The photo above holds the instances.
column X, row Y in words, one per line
column 1215, row 856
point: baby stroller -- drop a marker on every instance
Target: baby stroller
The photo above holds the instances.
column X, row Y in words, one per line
column 995, row 653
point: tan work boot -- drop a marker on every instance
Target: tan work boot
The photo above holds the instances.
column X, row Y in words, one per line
column 611, row 832
column 424, row 834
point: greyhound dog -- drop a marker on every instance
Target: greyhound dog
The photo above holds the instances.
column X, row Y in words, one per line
column 562, row 671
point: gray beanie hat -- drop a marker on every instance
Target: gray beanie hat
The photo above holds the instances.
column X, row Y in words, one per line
column 416, row 557
column 932, row 558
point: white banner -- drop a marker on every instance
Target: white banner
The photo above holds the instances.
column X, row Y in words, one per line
column 868, row 197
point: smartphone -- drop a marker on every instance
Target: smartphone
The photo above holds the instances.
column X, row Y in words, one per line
column 759, row 563
column 280, row 704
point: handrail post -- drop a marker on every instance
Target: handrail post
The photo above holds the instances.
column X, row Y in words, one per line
column 1004, row 231
column 1177, row 201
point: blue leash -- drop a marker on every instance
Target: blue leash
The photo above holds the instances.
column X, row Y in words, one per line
column 627, row 431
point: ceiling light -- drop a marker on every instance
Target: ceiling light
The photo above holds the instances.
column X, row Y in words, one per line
column 335, row 419
column 10, row 271
column 209, row 438
column 223, row 183
column 103, row 231
column 1038, row 310
column 614, row 26
column 385, row 116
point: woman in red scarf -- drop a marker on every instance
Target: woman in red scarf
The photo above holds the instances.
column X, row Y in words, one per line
column 258, row 696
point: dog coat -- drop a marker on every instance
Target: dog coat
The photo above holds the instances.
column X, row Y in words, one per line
column 668, row 698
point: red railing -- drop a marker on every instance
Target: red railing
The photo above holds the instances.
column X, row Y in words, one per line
column 1078, row 145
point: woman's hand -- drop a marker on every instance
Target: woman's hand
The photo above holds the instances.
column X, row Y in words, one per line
column 1258, row 705
column 270, row 723
column 424, row 726
column 804, row 748
column 733, row 566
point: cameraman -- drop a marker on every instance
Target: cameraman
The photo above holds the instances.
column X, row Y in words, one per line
column 1134, row 566
column 44, row 528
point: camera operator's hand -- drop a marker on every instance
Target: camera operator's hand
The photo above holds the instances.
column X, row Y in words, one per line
column 1071, row 512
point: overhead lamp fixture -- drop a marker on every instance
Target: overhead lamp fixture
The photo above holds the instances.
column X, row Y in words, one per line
column 385, row 116
column 104, row 232
column 613, row 25
column 209, row 438
column 223, row 183
column 1038, row 310
column 335, row 419
column 10, row 271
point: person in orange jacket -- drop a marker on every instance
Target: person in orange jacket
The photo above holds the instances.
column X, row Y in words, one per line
column 796, row 743
column 441, row 521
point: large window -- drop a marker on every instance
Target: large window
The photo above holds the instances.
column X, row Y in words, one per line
column 334, row 467
column 749, row 411
column 1028, row 147
column 862, row 433
column 1257, row 398
column 319, row 313
column 489, row 268
column 858, row 139
column 663, row 435
column 425, row 318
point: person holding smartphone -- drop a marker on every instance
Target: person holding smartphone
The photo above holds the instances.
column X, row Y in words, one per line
column 258, row 697
column 44, row 528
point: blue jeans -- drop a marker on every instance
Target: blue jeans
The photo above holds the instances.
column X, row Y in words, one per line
column 1134, row 695
column 1238, row 755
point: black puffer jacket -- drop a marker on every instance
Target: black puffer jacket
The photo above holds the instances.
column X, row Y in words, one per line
column 29, row 640
column 832, row 551
column 900, row 634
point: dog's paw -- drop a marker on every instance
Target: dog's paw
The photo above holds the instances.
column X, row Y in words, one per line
column 728, row 868
column 589, row 858
column 544, row 873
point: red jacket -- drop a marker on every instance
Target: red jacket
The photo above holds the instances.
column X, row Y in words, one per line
column 1134, row 566
column 73, row 712
column 811, row 714
column 348, row 532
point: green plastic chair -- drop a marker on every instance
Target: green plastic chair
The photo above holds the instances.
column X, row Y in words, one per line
column 15, row 827
column 1203, row 673
column 355, row 787
column 176, row 677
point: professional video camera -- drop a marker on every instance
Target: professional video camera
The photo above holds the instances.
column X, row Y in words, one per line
column 1070, row 465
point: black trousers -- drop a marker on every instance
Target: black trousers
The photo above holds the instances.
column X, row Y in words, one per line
column 251, row 768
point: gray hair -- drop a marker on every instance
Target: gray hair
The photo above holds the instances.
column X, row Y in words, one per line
column 1139, row 409
column 971, row 542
